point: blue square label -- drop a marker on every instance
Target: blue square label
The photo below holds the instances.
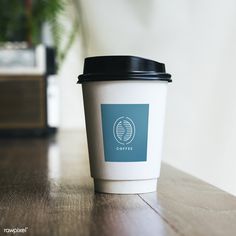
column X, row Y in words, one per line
column 125, row 132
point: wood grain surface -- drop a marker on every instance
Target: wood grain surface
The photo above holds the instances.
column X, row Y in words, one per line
column 45, row 186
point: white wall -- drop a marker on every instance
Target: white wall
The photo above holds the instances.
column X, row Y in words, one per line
column 196, row 40
column 71, row 106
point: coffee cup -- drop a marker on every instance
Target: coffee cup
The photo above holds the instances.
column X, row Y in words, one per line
column 124, row 102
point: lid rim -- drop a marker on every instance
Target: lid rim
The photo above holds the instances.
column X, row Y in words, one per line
column 120, row 77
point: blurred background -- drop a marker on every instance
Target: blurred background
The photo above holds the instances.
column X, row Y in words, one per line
column 44, row 43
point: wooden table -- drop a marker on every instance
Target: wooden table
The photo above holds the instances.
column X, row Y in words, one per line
column 45, row 189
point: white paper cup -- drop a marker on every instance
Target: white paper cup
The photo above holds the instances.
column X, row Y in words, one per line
column 124, row 123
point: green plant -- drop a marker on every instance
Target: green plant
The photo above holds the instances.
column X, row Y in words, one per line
column 22, row 20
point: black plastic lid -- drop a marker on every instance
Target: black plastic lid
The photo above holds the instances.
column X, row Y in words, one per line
column 106, row 68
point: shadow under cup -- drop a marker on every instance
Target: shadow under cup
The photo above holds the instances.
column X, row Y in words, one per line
column 124, row 102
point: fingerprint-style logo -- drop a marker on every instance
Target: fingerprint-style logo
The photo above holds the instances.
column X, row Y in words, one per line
column 124, row 130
